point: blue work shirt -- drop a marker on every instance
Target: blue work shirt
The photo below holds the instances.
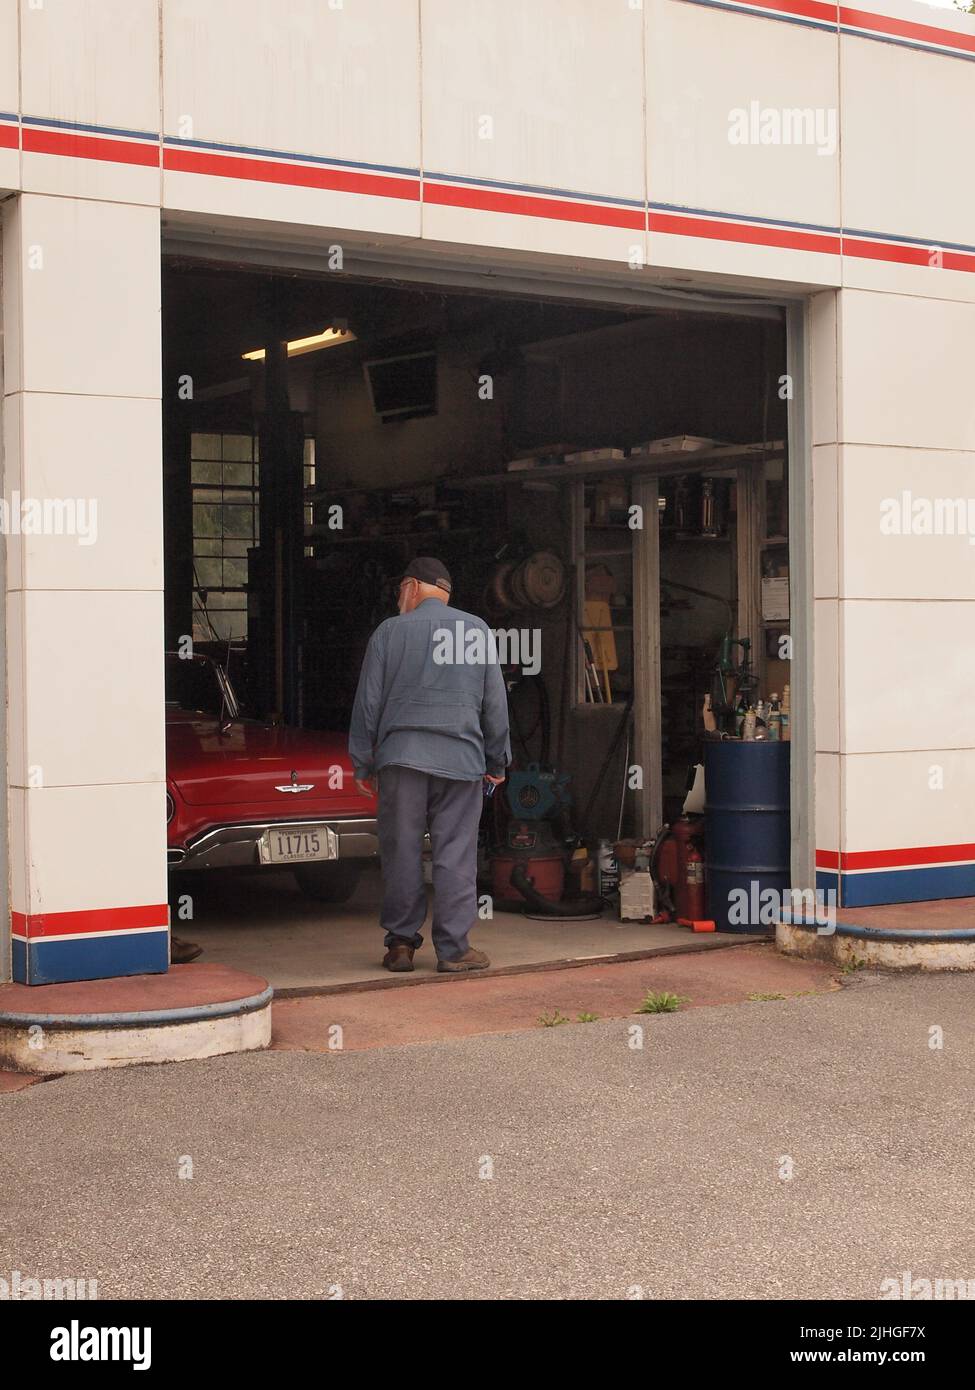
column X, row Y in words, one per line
column 421, row 704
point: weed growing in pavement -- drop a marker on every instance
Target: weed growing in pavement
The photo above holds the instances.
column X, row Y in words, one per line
column 552, row 1020
column 850, row 966
column 662, row 1002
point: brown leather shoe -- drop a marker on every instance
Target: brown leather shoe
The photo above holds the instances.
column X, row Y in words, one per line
column 398, row 959
column 182, row 952
column 474, row 960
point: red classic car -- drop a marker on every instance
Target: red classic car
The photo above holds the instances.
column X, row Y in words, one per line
column 245, row 793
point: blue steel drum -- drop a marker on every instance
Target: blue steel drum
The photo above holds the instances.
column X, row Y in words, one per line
column 748, row 835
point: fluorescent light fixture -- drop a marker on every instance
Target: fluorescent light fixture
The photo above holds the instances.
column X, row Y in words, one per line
column 329, row 337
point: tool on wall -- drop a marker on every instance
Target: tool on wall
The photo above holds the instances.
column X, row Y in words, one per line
column 600, row 641
column 731, row 682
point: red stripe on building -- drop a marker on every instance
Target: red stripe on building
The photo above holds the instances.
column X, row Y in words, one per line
column 525, row 205
column 907, row 29
column 879, row 251
column 89, row 147
column 8, row 137
column 907, row 858
column 100, row 919
column 909, row 255
column 894, row 858
column 807, row 9
column 881, row 24
column 676, row 224
column 231, row 166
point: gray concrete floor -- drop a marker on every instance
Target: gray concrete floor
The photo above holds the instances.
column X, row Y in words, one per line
column 802, row 1148
column 261, row 922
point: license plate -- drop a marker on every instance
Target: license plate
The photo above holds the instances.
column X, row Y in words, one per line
column 297, row 844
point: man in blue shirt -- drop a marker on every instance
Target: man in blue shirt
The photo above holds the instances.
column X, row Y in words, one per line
column 429, row 727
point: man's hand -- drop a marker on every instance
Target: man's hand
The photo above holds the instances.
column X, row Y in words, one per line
column 496, row 780
column 366, row 785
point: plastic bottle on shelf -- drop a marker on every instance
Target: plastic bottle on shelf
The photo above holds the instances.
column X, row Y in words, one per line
column 741, row 709
column 748, row 729
column 784, row 716
column 774, row 719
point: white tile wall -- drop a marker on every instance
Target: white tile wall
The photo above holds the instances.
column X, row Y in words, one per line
column 823, row 367
column 827, row 522
column 573, row 122
column 97, row 847
column 702, row 67
column 9, row 75
column 15, row 658
column 9, row 93
column 771, row 266
column 882, row 557
column 307, row 77
column 103, row 453
column 86, row 749
column 90, row 287
column 929, row 14
column 93, row 688
column 550, row 237
column 344, row 82
column 83, row 176
column 909, row 800
column 828, row 801
column 904, row 113
column 827, row 675
column 11, row 411
column 220, row 196
column 17, row 835
column 556, row 85
column 935, row 283
column 906, row 371
column 11, row 277
column 9, row 170
column 92, row 61
column 908, row 676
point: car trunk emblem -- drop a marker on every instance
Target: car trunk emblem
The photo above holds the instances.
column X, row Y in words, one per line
column 294, row 785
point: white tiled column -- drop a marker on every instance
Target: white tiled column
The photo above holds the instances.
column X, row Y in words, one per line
column 895, row 595
column 824, row 427
column 82, row 437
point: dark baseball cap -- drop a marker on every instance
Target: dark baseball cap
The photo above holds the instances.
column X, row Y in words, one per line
column 428, row 571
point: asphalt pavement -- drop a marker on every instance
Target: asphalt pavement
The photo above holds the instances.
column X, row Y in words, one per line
column 808, row 1147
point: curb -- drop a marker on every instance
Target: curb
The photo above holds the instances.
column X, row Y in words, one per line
column 52, row 1044
column 888, row 948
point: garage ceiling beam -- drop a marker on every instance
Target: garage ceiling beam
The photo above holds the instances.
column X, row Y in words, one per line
column 267, row 249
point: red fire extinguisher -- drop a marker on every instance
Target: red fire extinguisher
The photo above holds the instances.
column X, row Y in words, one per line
column 691, row 903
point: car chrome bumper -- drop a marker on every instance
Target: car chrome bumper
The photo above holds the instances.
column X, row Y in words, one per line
column 236, row 846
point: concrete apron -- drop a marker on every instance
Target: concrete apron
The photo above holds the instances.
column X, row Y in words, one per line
column 191, row 1012
column 889, row 948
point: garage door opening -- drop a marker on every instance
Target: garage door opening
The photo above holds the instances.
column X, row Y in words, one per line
column 609, row 487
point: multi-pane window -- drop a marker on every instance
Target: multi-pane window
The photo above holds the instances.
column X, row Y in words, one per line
column 309, row 472
column 225, row 471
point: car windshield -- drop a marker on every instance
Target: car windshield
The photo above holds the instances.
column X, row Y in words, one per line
column 193, row 684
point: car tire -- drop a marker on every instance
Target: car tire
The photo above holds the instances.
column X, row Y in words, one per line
column 329, row 883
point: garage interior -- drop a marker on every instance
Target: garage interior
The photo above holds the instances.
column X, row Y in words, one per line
column 611, row 480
